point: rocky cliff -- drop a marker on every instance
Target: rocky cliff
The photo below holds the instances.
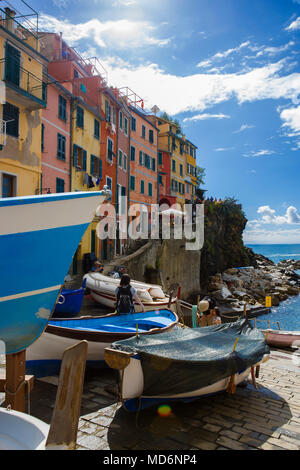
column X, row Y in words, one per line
column 223, row 240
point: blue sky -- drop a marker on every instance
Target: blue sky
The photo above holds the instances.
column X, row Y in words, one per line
column 228, row 70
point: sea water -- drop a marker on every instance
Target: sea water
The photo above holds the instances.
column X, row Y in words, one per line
column 288, row 312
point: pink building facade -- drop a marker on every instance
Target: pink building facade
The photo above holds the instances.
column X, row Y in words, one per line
column 56, row 140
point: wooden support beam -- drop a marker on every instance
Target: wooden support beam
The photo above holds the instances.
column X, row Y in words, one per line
column 15, row 386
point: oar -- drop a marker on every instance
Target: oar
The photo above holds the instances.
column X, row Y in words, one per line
column 64, row 423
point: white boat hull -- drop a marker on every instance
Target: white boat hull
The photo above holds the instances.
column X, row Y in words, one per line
column 20, row 431
column 132, row 385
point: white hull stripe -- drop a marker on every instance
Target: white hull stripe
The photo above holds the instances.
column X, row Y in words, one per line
column 29, row 293
column 48, row 214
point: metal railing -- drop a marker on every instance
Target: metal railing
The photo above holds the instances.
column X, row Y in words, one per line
column 23, row 79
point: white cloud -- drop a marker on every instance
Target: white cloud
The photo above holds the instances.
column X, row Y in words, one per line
column 119, row 33
column 201, row 91
column 243, row 128
column 294, row 25
column 263, row 236
column 204, row 116
column 257, row 232
column 291, row 124
column 268, row 216
column 259, row 153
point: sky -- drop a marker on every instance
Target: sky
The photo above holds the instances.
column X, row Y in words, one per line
column 228, row 70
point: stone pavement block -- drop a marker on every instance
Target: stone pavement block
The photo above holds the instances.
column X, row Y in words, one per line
column 204, row 445
column 231, row 444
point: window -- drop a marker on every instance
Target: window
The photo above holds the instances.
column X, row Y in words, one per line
column 12, row 64
column 96, row 166
column 11, row 114
column 107, row 111
column 80, row 117
column 61, row 147
column 160, row 158
column 109, row 182
column 121, row 120
column 173, row 165
column 96, row 129
column 125, row 162
column 160, row 180
column 153, row 164
column 9, row 185
column 132, row 183
column 76, row 74
column 181, row 148
column 144, row 132
column 141, row 161
column 79, row 157
column 180, row 188
column 151, row 136
column 114, row 116
column 174, row 146
column 150, row 189
column 132, row 154
column 126, row 126
column 133, row 124
column 62, row 108
column 110, row 144
column 142, row 187
column 42, row 137
column 188, row 188
column 60, row 185
column 120, row 158
column 181, row 170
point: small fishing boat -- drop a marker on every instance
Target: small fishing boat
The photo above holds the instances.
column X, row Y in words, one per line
column 282, row 339
column 186, row 363
column 38, row 237
column 44, row 356
column 103, row 291
column 69, row 302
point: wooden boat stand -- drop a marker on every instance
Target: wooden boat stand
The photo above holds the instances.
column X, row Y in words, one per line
column 15, row 383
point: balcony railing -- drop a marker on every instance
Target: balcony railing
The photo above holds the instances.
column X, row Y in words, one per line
column 23, row 80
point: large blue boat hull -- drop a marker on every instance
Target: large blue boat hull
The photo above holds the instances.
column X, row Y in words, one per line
column 38, row 238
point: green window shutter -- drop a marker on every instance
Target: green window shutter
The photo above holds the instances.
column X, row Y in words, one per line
column 153, row 164
column 132, row 154
column 60, row 185
column 12, row 64
column 75, row 155
column 42, row 137
column 92, row 164
column 132, row 183
column 84, row 160
column 150, row 189
column 142, row 187
column 126, row 126
column 96, row 129
column 141, row 157
column 160, row 159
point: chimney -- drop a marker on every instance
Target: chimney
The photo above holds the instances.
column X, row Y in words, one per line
column 9, row 19
column 60, row 45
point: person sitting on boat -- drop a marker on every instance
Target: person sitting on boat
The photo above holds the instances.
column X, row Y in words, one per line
column 126, row 294
column 98, row 267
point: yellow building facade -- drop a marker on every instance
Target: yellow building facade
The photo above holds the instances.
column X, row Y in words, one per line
column 86, row 171
column 22, row 69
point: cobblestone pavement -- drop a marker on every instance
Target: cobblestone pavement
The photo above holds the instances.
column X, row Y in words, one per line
column 267, row 418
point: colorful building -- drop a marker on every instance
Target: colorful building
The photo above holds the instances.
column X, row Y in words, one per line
column 56, row 140
column 191, row 171
column 82, row 80
column 22, row 69
column 143, row 177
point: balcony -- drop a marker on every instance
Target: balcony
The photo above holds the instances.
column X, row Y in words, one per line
column 22, row 86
